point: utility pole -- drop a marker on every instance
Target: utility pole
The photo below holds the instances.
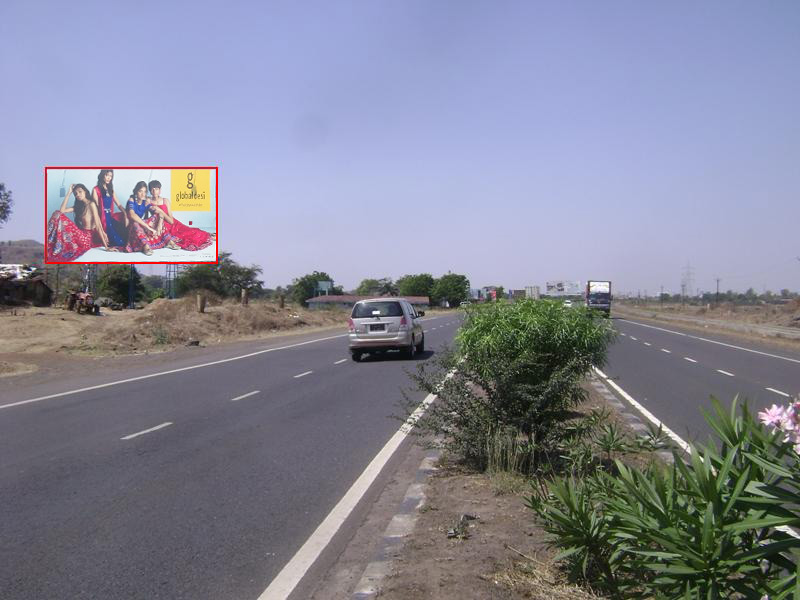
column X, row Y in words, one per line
column 661, row 297
column 716, row 299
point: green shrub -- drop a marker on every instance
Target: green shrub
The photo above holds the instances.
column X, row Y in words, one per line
column 703, row 528
column 517, row 373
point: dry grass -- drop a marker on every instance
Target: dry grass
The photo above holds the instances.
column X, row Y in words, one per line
column 539, row 580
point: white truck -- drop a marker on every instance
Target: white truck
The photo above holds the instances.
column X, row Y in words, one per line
column 598, row 296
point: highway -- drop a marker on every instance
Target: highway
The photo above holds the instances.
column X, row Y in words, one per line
column 189, row 481
column 673, row 372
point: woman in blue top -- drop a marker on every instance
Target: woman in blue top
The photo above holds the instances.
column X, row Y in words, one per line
column 142, row 234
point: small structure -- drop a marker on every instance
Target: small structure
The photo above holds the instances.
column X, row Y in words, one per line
column 348, row 300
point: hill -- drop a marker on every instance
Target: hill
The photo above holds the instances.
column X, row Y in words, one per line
column 28, row 252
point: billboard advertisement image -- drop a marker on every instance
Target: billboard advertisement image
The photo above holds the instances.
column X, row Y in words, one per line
column 131, row 215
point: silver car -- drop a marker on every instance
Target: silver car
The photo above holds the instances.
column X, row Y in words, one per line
column 385, row 324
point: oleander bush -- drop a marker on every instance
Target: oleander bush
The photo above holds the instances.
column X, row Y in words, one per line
column 710, row 526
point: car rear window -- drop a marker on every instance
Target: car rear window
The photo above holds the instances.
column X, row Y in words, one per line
column 377, row 309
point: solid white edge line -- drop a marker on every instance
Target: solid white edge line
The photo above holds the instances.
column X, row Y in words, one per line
column 338, row 362
column 725, row 373
column 689, row 359
column 160, row 373
column 697, row 337
column 675, row 437
column 647, row 414
column 302, row 374
column 157, row 427
column 247, row 395
column 784, row 394
column 284, row 582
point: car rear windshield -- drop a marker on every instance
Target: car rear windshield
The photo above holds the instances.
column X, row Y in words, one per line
column 377, row 309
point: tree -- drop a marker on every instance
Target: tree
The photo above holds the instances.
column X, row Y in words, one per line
column 114, row 282
column 6, row 201
column 368, row 287
column 306, row 286
column 200, row 277
column 499, row 292
column 452, row 288
column 416, row 285
column 236, row 277
column 387, row 287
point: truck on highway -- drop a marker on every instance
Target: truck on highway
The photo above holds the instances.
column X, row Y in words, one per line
column 598, row 296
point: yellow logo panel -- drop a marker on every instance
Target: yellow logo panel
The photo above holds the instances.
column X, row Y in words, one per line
column 190, row 189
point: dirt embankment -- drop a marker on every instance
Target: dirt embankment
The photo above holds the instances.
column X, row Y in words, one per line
column 160, row 326
column 780, row 315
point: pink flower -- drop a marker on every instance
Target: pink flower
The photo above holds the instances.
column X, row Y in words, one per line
column 775, row 416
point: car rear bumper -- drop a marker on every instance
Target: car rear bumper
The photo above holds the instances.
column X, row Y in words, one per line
column 366, row 342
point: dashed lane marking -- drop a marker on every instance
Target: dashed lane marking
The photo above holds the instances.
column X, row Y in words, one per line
column 725, row 373
column 338, row 362
column 303, row 374
column 648, row 344
column 689, row 359
column 780, row 393
column 667, row 351
column 247, row 395
column 156, row 428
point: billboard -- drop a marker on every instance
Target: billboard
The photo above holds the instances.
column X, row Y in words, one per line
column 131, row 215
column 563, row 288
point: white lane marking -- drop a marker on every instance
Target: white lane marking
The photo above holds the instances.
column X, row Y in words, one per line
column 247, row 395
column 634, row 339
column 674, row 436
column 689, row 359
column 291, row 574
column 702, row 339
column 784, row 394
column 625, row 334
column 171, row 371
column 156, row 428
column 667, row 351
column 647, row 344
column 303, row 374
column 338, row 362
column 160, row 373
column 725, row 373
column 647, row 414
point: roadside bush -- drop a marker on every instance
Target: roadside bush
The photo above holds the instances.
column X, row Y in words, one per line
column 707, row 527
column 517, row 370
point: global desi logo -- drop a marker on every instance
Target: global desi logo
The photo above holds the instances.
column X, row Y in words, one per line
column 191, row 189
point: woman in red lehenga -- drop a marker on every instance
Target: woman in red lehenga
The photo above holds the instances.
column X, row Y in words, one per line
column 67, row 240
column 187, row 238
column 142, row 234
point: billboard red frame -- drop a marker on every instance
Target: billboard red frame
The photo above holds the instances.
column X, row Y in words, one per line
column 78, row 262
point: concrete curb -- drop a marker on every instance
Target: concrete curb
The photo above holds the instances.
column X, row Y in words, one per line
column 394, row 536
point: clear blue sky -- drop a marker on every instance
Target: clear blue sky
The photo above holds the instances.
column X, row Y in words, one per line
column 514, row 142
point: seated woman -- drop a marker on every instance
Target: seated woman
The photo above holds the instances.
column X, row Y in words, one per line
column 115, row 224
column 187, row 238
column 67, row 240
column 142, row 235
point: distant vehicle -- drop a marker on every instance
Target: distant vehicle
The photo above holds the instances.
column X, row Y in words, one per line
column 568, row 303
column 598, row 296
column 381, row 324
column 465, row 303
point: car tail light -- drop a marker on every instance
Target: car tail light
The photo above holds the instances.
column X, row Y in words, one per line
column 351, row 325
column 403, row 324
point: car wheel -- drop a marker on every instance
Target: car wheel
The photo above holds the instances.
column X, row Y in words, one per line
column 421, row 345
column 409, row 351
column 356, row 356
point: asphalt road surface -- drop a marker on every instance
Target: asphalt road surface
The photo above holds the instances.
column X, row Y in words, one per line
column 200, row 483
column 673, row 372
